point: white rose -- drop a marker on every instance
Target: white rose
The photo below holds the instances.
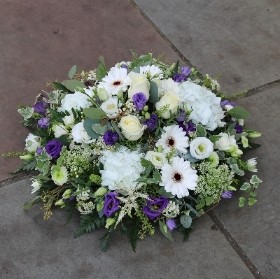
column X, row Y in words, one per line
column 156, row 158
column 139, row 83
column 76, row 101
column 110, row 107
column 68, row 120
column 170, row 101
column 79, row 134
column 131, row 127
column 59, row 130
column 32, row 142
column 201, row 148
column 225, row 142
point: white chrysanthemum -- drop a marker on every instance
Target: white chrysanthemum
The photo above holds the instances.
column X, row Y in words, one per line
column 201, row 148
column 36, row 185
column 173, row 137
column 152, row 71
column 76, row 101
column 156, row 158
column 116, row 81
column 32, row 142
column 251, row 165
column 80, row 135
column 59, row 175
column 178, row 178
column 204, row 105
column 110, row 107
column 121, row 169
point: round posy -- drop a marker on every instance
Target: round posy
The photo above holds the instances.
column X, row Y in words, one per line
column 139, row 144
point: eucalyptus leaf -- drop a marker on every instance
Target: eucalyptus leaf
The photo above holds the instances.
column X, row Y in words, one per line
column 94, row 113
column 73, row 85
column 59, row 86
column 88, row 127
column 153, row 92
column 186, row 221
column 99, row 129
column 239, row 113
column 72, row 72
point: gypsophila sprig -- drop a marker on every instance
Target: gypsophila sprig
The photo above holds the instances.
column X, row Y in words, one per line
column 136, row 146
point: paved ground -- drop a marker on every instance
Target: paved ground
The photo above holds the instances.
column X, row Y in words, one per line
column 237, row 41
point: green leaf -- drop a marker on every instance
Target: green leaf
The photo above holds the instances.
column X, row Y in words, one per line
column 153, row 92
column 60, row 86
column 162, row 192
column 88, row 127
column 73, row 85
column 94, row 113
column 209, row 200
column 101, row 70
column 99, row 129
column 242, row 201
column 192, row 209
column 117, row 129
column 186, row 221
column 255, row 180
column 26, row 112
column 251, row 201
column 239, row 113
column 72, row 72
column 105, row 241
column 214, row 138
column 157, row 176
column 29, row 204
column 245, row 186
column 200, row 131
column 164, row 229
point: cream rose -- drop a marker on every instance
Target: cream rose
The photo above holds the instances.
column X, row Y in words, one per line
column 139, row 83
column 131, row 127
column 170, row 101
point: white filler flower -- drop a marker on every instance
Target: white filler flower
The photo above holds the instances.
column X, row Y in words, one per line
column 116, row 81
column 179, row 177
column 201, row 148
column 121, row 169
column 173, row 137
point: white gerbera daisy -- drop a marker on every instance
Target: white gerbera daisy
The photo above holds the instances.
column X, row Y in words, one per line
column 179, row 177
column 201, row 148
column 116, row 81
column 173, row 137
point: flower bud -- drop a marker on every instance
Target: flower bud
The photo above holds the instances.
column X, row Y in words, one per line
column 60, row 203
column 100, row 192
column 254, row 134
column 26, row 157
column 109, row 222
column 67, row 194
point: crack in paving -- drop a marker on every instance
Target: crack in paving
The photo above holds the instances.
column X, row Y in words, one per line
column 236, row 247
column 262, row 88
column 17, row 177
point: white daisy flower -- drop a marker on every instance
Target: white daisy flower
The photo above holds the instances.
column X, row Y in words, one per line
column 152, row 71
column 116, row 81
column 173, row 137
column 201, row 148
column 179, row 177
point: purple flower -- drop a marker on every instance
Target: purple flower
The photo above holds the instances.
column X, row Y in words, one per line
column 227, row 194
column 124, row 66
column 171, row 224
column 44, row 122
column 41, row 107
column 238, row 128
column 227, row 103
column 152, row 122
column 139, row 100
column 183, row 75
column 110, row 137
column 188, row 127
column 181, row 116
column 155, row 206
column 39, row 150
column 111, row 204
column 53, row 148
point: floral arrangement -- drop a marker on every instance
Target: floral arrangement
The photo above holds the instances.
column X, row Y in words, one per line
column 139, row 145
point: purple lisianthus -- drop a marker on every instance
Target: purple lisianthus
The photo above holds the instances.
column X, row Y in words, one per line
column 238, row 128
column 227, row 103
column 44, row 122
column 39, row 150
column 139, row 100
column 171, row 224
column 41, row 107
column 110, row 137
column 155, row 206
column 188, row 127
column 111, row 204
column 181, row 116
column 227, row 194
column 53, row 148
column 152, row 122
column 183, row 75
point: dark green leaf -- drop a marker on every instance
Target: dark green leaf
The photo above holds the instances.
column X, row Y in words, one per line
column 117, row 129
column 105, row 241
column 60, row 86
column 214, row 138
column 101, row 70
column 73, row 85
column 153, row 92
column 239, row 113
column 72, row 72
column 162, row 192
column 165, row 231
column 200, row 131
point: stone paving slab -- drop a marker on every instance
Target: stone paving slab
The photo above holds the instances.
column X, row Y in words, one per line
column 33, row 248
column 236, row 41
column 41, row 40
column 256, row 229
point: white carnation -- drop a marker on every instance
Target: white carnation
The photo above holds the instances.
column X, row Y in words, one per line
column 80, row 135
column 204, row 105
column 76, row 101
column 121, row 169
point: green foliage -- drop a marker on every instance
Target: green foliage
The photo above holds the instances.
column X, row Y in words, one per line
column 99, row 129
column 153, row 92
column 186, row 221
column 239, row 113
column 101, row 69
column 73, row 85
column 165, row 231
column 72, row 72
column 59, row 86
column 94, row 113
column 142, row 60
column 26, row 112
column 133, row 228
column 200, row 131
column 88, row 127
column 29, row 204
